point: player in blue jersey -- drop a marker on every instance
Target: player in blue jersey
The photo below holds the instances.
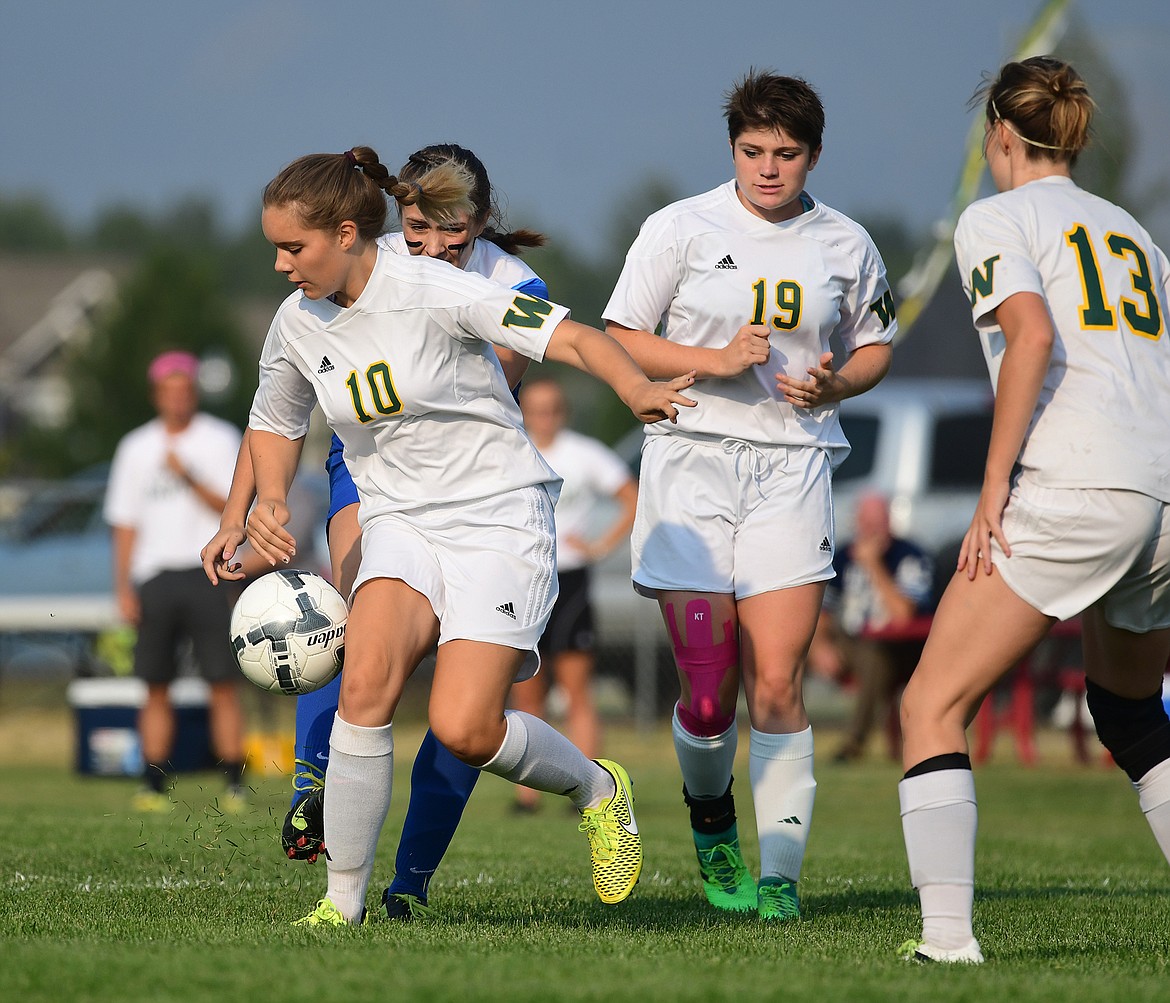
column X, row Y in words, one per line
column 440, row 783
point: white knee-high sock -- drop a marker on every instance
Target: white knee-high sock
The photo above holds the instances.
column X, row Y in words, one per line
column 536, row 755
column 1154, row 798
column 784, row 790
column 939, row 819
column 357, row 798
column 705, row 761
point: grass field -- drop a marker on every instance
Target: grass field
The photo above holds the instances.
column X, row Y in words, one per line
column 96, row 904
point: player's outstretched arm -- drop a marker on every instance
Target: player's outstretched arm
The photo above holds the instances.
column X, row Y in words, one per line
column 274, row 465
column 660, row 358
column 600, row 355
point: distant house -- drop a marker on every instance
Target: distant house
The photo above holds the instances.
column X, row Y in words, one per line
column 50, row 303
column 46, row 304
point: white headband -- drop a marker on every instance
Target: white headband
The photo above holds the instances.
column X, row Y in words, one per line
column 1023, row 139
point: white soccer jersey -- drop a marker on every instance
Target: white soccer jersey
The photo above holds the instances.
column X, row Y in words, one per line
column 170, row 520
column 408, row 380
column 486, row 259
column 705, row 266
column 591, row 472
column 1100, row 420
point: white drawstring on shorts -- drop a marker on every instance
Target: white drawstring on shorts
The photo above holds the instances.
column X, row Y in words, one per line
column 758, row 464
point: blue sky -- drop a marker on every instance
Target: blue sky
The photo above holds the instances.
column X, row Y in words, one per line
column 569, row 105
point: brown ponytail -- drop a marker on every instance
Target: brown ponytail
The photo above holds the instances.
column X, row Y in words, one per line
column 329, row 188
column 1045, row 102
column 514, row 241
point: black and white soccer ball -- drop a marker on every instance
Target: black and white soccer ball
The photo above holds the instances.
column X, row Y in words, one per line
column 288, row 632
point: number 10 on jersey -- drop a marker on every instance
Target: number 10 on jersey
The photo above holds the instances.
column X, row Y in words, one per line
column 385, row 399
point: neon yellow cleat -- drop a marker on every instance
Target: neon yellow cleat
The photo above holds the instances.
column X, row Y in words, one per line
column 151, row 802
column 614, row 841
column 233, row 801
column 327, row 914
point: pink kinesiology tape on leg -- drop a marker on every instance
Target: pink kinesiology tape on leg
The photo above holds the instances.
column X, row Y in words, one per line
column 705, row 664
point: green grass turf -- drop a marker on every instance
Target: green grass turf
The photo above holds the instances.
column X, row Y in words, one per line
column 97, row 904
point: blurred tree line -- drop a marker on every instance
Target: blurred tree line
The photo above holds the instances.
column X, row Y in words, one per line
column 187, row 281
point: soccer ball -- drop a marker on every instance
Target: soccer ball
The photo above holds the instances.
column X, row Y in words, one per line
column 288, row 632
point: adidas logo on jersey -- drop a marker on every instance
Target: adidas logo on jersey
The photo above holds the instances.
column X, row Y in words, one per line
column 507, row 609
column 790, row 820
column 826, row 546
column 326, row 366
column 726, row 262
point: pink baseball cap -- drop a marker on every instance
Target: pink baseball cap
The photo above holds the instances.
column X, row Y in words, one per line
column 172, row 363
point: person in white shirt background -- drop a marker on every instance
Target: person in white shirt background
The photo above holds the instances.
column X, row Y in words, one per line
column 592, row 475
column 168, row 483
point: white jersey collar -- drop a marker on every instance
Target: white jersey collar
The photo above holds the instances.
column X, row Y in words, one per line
column 811, row 207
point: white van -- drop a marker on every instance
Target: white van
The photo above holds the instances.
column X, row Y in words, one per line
column 922, row 443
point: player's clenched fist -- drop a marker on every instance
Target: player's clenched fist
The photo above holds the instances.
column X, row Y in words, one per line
column 749, row 347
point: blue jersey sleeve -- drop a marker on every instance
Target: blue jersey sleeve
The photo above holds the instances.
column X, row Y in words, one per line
column 533, row 287
column 342, row 490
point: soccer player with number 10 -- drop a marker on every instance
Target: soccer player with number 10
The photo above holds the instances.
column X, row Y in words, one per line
column 456, row 508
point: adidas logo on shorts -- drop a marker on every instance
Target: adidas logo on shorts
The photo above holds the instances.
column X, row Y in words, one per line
column 326, row 366
column 826, row 546
column 507, row 609
column 726, row 262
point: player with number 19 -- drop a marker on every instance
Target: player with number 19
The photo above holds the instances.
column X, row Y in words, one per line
column 1069, row 296
column 753, row 284
column 458, row 545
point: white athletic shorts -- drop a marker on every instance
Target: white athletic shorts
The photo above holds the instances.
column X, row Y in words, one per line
column 1074, row 546
column 487, row 566
column 731, row 516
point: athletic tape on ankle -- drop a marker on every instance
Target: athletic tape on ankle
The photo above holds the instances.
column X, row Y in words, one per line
column 705, row 664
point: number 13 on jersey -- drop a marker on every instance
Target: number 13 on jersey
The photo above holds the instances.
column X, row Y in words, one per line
column 1096, row 314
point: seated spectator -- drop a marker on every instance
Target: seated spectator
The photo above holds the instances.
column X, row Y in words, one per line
column 883, row 582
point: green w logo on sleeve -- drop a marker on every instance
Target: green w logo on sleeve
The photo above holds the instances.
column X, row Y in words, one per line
column 527, row 311
column 884, row 308
column 983, row 281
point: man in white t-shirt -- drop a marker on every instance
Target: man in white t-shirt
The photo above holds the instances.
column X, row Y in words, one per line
column 593, row 474
column 168, row 484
